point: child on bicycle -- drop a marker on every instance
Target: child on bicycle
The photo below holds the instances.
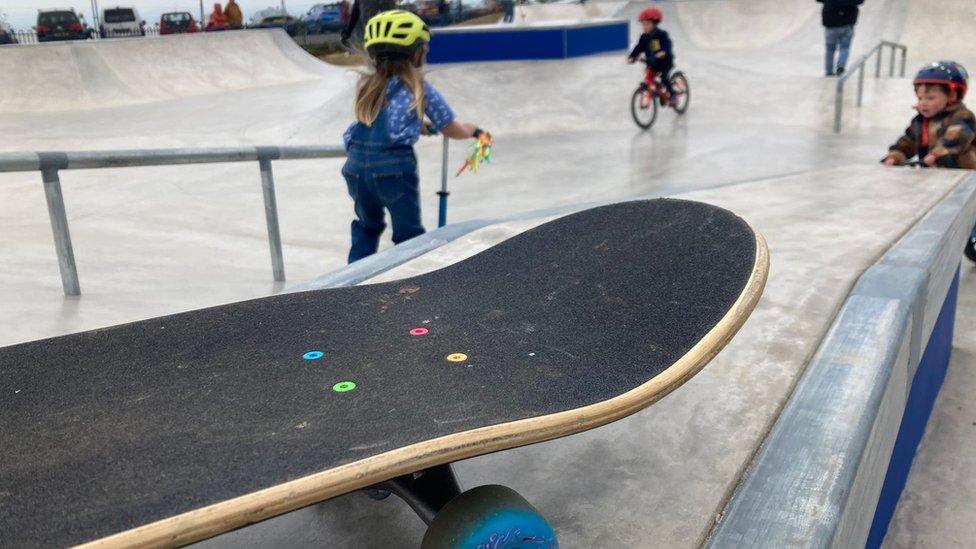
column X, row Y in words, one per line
column 655, row 45
column 392, row 101
column 942, row 135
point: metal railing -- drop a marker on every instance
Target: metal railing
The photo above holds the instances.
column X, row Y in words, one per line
column 51, row 163
column 24, row 37
column 858, row 67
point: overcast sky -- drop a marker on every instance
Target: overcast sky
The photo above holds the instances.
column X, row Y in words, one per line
column 22, row 14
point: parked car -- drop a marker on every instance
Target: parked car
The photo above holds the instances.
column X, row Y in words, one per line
column 257, row 16
column 7, row 35
column 323, row 18
column 121, row 22
column 292, row 25
column 55, row 25
column 178, row 22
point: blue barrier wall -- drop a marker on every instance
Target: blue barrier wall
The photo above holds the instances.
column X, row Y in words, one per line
column 831, row 470
column 459, row 45
column 925, row 388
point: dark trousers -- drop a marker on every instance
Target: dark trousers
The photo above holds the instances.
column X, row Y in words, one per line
column 663, row 67
column 377, row 184
column 508, row 6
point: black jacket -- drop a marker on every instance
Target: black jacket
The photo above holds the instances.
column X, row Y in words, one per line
column 652, row 43
column 840, row 13
column 360, row 15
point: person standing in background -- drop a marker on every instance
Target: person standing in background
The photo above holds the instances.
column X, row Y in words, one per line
column 839, row 18
column 217, row 20
column 362, row 11
column 508, row 8
column 233, row 13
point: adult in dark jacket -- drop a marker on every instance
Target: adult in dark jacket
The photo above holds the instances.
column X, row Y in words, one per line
column 839, row 18
column 362, row 11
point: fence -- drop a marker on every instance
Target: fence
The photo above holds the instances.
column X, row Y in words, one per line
column 25, row 37
column 858, row 67
column 312, row 34
column 302, row 37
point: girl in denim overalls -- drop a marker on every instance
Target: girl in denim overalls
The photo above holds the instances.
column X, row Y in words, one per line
column 391, row 104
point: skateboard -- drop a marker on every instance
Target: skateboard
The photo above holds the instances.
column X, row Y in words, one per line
column 175, row 429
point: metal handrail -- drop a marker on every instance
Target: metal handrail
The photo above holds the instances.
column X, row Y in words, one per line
column 51, row 163
column 858, row 67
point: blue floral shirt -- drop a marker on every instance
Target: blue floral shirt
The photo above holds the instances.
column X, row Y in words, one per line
column 402, row 121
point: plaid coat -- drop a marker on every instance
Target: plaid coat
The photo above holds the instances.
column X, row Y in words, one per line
column 949, row 136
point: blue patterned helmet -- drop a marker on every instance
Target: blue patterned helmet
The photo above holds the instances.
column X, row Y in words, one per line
column 948, row 73
column 962, row 70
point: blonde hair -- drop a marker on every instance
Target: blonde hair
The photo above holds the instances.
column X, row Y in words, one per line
column 371, row 90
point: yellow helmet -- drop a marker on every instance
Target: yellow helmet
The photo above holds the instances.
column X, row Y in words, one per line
column 394, row 32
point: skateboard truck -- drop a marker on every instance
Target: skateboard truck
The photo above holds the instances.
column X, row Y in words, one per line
column 484, row 516
column 426, row 492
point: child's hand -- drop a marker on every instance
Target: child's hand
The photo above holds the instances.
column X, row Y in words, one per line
column 660, row 55
column 929, row 160
column 889, row 161
column 631, row 60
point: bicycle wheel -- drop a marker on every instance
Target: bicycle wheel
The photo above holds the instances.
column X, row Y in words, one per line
column 681, row 91
column 643, row 107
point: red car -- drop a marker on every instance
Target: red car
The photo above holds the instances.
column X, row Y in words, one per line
column 178, row 22
column 55, row 25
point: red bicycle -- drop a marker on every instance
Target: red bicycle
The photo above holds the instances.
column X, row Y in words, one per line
column 651, row 91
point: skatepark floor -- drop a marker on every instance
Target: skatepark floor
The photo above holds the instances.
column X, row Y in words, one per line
column 938, row 507
column 155, row 241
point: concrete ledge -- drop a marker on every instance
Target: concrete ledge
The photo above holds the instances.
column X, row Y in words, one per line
column 390, row 258
column 554, row 40
column 826, row 229
column 833, row 465
column 379, row 263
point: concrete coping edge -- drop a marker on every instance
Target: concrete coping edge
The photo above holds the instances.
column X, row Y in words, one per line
column 832, row 441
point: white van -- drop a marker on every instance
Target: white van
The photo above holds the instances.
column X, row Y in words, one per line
column 120, row 22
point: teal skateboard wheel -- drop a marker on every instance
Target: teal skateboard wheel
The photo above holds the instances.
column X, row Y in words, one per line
column 489, row 516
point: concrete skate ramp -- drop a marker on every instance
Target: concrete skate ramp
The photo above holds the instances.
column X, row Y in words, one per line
column 566, row 11
column 87, row 75
column 782, row 37
column 941, row 30
column 744, row 24
column 760, row 108
column 154, row 242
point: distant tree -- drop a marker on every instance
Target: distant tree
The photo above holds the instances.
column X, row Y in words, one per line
column 4, row 23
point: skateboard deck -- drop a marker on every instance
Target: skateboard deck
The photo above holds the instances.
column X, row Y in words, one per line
column 174, row 429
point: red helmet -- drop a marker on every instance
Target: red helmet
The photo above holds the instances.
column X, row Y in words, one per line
column 651, row 14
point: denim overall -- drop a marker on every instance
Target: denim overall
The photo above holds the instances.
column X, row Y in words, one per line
column 380, row 174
